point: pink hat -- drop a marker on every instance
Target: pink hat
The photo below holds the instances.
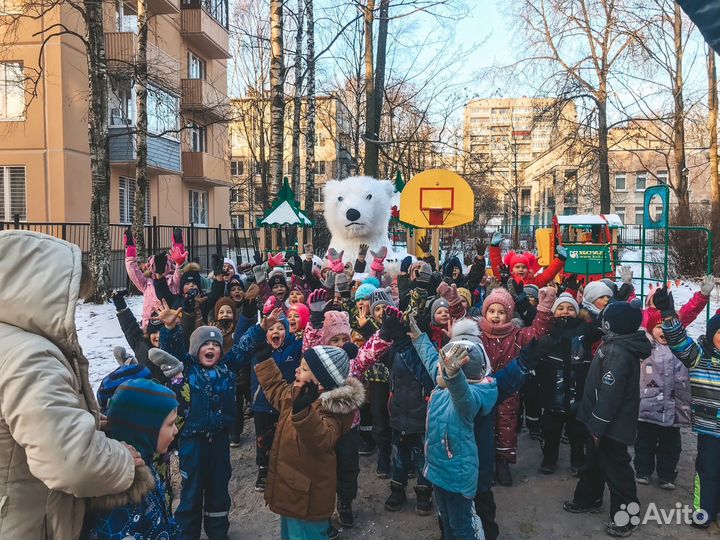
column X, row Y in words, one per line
column 303, row 311
column 502, row 297
column 512, row 258
column 270, row 304
column 336, row 323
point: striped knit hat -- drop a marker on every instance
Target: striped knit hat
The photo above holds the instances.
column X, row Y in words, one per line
column 137, row 411
column 330, row 365
column 380, row 296
column 111, row 382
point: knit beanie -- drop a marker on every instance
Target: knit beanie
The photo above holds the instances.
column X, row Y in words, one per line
column 467, row 333
column 595, row 290
column 610, row 284
column 565, row 298
column 364, row 291
column 231, row 263
column 335, row 324
column 154, row 327
column 438, row 303
column 303, row 311
column 372, row 280
column 653, row 318
column 330, row 365
column 462, row 291
column 712, row 328
column 201, row 336
column 277, row 279
column 622, row 317
column 512, row 258
column 532, row 290
column 112, row 382
column 138, row 411
column 424, row 273
column 234, row 281
column 224, row 301
column 380, row 296
column 190, row 276
column 502, row 297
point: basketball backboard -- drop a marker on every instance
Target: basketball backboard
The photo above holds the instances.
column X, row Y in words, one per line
column 437, row 199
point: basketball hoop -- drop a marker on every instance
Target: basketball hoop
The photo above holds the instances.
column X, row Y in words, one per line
column 437, row 199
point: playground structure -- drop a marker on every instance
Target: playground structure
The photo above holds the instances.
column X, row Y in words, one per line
column 280, row 219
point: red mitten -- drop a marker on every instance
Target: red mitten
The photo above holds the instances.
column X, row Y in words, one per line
column 130, row 249
column 270, row 304
column 378, row 265
column 277, row 260
column 335, row 260
column 178, row 254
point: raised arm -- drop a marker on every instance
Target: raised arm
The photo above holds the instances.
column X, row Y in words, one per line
column 275, row 388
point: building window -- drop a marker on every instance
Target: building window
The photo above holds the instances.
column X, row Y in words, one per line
column 639, row 215
column 641, row 181
column 197, row 137
column 620, row 211
column 12, row 193
column 162, row 112
column 620, row 182
column 12, row 91
column 321, row 167
column 662, row 177
column 238, row 222
column 570, row 210
column 122, row 111
column 258, row 167
column 198, row 207
column 196, row 66
column 237, row 168
column 126, row 17
column 218, row 9
column 236, row 195
column 127, row 201
column 319, row 194
column 321, row 139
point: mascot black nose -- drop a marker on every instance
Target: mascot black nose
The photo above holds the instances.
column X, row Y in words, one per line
column 352, row 215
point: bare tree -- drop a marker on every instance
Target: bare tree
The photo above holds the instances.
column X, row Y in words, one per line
column 311, row 106
column 297, row 97
column 277, row 92
column 713, row 131
column 141, row 136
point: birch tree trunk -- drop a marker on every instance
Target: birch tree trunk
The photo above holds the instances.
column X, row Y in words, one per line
column 141, row 129
column 714, row 174
column 310, row 134
column 297, row 98
column 99, row 150
column 370, row 134
column 277, row 94
column 603, row 156
column 680, row 182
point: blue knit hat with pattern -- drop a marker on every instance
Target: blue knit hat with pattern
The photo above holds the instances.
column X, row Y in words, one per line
column 137, row 411
column 364, row 291
column 330, row 365
column 112, row 382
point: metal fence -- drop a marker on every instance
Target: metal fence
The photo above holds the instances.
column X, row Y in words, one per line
column 628, row 234
column 201, row 242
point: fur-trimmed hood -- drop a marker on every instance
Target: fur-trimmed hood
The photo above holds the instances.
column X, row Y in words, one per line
column 143, row 483
column 343, row 399
column 191, row 267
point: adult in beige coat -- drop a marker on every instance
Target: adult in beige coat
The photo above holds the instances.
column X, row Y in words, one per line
column 52, row 455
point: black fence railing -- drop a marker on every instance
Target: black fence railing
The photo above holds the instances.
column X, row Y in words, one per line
column 628, row 234
column 201, row 242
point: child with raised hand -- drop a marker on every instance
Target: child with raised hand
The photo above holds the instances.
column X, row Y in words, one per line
column 452, row 463
column 503, row 340
column 519, row 264
column 315, row 410
column 141, row 413
column 689, row 311
column 274, row 330
column 702, row 358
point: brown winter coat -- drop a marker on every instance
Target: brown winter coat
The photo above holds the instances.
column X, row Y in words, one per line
column 52, row 455
column 302, row 475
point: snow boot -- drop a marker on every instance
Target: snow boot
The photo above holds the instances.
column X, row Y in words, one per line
column 261, row 479
column 397, row 497
column 502, row 472
column 345, row 514
column 423, row 500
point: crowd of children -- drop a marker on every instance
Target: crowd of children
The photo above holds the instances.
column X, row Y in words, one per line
column 431, row 366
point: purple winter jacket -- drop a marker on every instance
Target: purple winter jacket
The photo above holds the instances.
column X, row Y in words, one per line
column 664, row 388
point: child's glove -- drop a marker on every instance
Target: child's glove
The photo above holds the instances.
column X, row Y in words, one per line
column 118, row 298
column 392, row 326
column 335, row 260
column 188, row 303
column 260, row 272
column 515, row 288
column 257, row 257
column 277, row 260
column 160, row 263
column 329, row 281
column 453, row 360
column 664, row 301
column 424, row 274
column 377, row 265
column 130, row 249
column 561, row 252
column 415, row 331
column 308, row 393
column 178, row 254
column 707, row 285
column 504, row 274
column 626, row 275
column 362, row 252
column 547, row 299
column 122, row 357
column 262, row 352
column 342, row 285
column 249, row 307
column 296, row 265
column 405, row 264
column 170, row 366
column 496, row 239
column 318, row 303
column 418, row 301
column 449, row 293
column 480, row 247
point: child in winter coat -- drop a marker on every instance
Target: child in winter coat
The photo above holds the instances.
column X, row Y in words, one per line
column 202, row 376
column 664, row 409
column 609, row 409
column 298, row 316
column 315, row 410
column 274, row 330
column 141, row 413
column 519, row 264
column 561, row 379
column 503, row 341
column 690, row 310
column 452, row 461
column 702, row 359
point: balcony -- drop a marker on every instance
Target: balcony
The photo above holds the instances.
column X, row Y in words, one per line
column 204, row 100
column 121, row 49
column 203, row 33
column 163, row 153
column 206, row 169
column 157, row 7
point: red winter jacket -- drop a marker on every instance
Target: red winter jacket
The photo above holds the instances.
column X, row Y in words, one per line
column 530, row 279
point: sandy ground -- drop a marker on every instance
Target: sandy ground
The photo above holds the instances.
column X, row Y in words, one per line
column 531, row 508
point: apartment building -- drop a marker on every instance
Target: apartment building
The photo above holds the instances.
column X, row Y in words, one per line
column 249, row 142
column 562, row 181
column 44, row 155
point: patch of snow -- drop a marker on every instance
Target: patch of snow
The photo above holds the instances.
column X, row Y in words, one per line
column 99, row 332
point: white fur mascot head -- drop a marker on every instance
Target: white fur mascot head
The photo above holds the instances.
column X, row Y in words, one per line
column 357, row 211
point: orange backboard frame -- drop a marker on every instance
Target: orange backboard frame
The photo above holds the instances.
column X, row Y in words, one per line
column 437, row 199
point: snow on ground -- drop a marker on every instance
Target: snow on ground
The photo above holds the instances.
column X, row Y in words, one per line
column 99, row 331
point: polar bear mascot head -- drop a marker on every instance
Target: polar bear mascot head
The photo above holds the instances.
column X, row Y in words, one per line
column 357, row 211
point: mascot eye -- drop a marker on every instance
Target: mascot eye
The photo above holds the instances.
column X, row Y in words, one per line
column 369, row 196
column 340, row 199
